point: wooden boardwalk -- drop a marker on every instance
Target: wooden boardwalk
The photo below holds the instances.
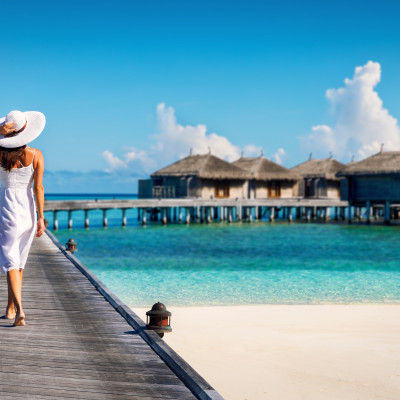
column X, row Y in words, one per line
column 77, row 346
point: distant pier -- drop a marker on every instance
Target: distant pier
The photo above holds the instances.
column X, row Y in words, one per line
column 217, row 210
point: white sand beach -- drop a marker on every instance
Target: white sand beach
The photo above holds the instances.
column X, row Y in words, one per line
column 292, row 352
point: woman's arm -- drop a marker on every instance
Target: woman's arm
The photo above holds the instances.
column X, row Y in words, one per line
column 38, row 190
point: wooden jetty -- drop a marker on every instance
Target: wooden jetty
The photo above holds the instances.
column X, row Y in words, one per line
column 205, row 210
column 82, row 342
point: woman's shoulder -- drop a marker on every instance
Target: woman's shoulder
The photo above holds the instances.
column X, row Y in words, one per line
column 33, row 151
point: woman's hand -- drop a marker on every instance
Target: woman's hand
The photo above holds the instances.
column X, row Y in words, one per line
column 7, row 128
column 40, row 227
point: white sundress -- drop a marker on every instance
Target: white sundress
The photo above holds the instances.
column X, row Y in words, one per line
column 17, row 216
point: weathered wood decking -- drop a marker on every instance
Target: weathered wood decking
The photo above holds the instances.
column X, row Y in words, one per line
column 76, row 345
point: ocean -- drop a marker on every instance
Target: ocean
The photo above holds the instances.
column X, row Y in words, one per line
column 238, row 263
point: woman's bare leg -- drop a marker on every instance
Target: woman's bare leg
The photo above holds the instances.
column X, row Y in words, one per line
column 15, row 279
column 11, row 309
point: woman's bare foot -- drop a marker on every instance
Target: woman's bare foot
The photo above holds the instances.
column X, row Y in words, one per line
column 11, row 312
column 19, row 319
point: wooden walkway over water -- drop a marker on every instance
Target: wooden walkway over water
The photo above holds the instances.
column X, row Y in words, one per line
column 78, row 345
column 208, row 210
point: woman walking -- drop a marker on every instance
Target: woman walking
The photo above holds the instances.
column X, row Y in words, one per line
column 20, row 166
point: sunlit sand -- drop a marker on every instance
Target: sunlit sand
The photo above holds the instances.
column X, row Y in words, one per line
column 292, row 352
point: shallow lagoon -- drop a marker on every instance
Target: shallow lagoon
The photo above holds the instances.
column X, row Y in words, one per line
column 242, row 263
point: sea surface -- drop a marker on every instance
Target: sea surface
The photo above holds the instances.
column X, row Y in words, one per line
column 239, row 263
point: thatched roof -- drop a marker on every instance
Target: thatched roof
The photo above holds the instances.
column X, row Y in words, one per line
column 383, row 163
column 322, row 168
column 204, row 166
column 265, row 170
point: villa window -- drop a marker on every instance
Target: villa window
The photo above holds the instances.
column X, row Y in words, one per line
column 222, row 190
column 274, row 189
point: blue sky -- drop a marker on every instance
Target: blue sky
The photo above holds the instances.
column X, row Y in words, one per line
column 129, row 86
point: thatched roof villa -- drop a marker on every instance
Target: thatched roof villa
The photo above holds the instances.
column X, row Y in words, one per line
column 201, row 176
column 375, row 179
column 268, row 179
column 319, row 178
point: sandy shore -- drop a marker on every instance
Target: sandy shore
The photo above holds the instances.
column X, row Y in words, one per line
column 280, row 352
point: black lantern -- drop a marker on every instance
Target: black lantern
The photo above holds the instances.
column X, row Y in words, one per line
column 71, row 246
column 159, row 319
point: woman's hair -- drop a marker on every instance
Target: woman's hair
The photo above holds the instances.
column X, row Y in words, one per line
column 9, row 157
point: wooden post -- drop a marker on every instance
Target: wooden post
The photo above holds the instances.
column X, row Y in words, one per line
column 86, row 219
column 349, row 214
column 336, row 213
column 368, row 211
column 69, row 219
column 208, row 214
column 250, row 214
column 124, row 217
column 175, row 214
column 198, row 213
column 105, row 218
column 239, row 212
column 230, row 211
column 138, row 214
column 342, row 213
column 164, row 216
column 326, row 213
column 289, row 214
column 144, row 217
column 272, row 214
column 55, row 221
column 309, row 211
column 188, row 215
column 387, row 212
column 180, row 214
column 298, row 212
column 216, row 213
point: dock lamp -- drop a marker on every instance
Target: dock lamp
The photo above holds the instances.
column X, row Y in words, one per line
column 159, row 319
column 71, row 246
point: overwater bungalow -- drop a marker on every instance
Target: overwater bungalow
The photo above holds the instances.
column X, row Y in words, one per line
column 269, row 179
column 373, row 181
column 196, row 176
column 319, row 178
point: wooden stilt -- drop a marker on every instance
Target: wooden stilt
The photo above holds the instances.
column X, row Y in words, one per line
column 387, row 212
column 70, row 219
column 272, row 214
column 55, row 220
column 86, row 219
column 104, row 218
column 124, row 217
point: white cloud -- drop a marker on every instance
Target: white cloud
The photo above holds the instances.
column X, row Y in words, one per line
column 113, row 161
column 252, row 150
column 174, row 141
column 362, row 124
column 135, row 159
column 278, row 156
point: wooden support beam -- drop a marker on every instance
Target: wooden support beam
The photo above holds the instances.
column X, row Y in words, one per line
column 387, row 212
column 55, row 220
column 124, row 217
column 70, row 219
column 105, row 218
column 86, row 219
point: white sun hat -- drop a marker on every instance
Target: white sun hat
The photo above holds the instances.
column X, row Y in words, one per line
column 28, row 126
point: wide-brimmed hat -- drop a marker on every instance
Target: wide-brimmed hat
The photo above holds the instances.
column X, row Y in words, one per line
column 28, row 126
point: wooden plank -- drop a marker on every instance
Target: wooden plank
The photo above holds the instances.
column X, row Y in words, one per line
column 76, row 345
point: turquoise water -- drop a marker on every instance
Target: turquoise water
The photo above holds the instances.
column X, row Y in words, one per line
column 242, row 263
